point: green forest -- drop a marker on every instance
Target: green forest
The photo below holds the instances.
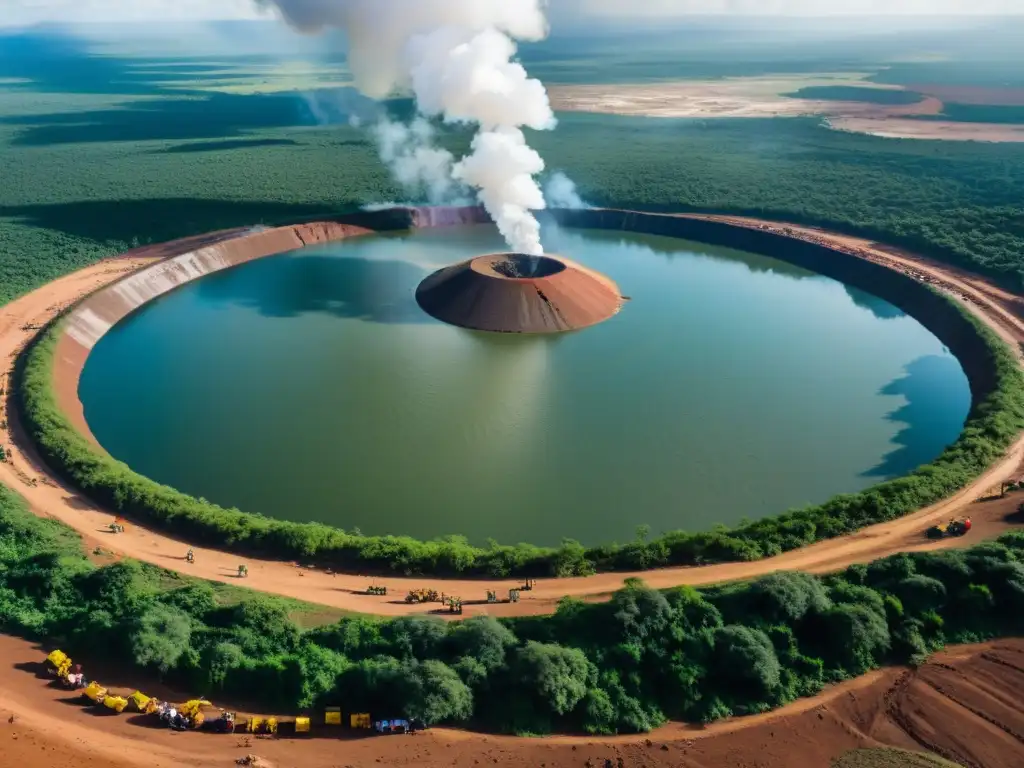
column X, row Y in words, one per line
column 994, row 423
column 857, row 93
column 626, row 665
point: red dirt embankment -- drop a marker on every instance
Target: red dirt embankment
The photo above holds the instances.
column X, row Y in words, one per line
column 965, row 704
column 48, row 497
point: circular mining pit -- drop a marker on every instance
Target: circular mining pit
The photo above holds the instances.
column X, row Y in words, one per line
column 313, row 386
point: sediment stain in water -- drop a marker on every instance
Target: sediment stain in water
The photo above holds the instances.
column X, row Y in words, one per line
column 310, row 386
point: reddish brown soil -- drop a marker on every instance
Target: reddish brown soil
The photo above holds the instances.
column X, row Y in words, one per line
column 965, row 704
column 472, row 295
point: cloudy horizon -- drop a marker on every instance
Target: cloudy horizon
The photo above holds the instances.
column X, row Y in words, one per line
column 15, row 13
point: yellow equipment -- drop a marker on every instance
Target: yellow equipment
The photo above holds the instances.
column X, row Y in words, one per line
column 59, row 663
column 140, row 702
column 332, row 716
column 302, row 725
column 361, row 720
column 423, row 596
column 262, row 725
column 95, row 692
column 115, row 703
column 193, row 711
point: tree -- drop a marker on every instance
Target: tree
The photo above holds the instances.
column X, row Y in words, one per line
column 434, row 693
column 416, row 637
column 745, row 661
column 484, row 639
column 161, row 636
column 556, row 676
column 920, row 594
column 787, row 596
column 855, row 637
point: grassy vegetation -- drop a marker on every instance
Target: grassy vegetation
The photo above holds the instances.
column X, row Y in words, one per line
column 993, row 425
column 622, row 666
column 856, row 93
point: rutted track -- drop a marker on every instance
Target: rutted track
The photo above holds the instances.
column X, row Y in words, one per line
column 47, row 496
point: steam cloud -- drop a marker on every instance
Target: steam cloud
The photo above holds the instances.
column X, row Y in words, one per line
column 560, row 192
column 456, row 56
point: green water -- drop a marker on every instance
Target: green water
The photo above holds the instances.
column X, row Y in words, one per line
column 310, row 386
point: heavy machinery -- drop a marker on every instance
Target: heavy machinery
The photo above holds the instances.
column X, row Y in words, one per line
column 115, row 704
column 529, row 585
column 375, row 589
column 95, row 692
column 492, row 596
column 190, row 556
column 389, row 727
column 58, row 664
column 513, row 595
column 243, row 571
column 423, row 596
column 302, row 725
column 140, row 702
column 224, row 723
column 75, row 679
column 955, row 527
column 360, row 721
column 454, row 604
column 332, row 716
column 193, row 712
column 261, row 725
column 116, row 527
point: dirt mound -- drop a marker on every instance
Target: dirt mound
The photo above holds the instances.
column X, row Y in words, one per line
column 890, row 758
column 516, row 293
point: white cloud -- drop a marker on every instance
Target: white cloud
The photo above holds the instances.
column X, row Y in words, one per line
column 23, row 12
column 668, row 8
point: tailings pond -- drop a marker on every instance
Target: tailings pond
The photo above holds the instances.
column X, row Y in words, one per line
column 310, row 386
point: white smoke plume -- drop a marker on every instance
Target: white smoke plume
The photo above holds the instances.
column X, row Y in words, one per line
column 414, row 160
column 560, row 192
column 457, row 59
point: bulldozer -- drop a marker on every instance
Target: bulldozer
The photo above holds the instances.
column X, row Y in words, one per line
column 193, row 712
column 955, row 527
column 423, row 596
column 377, row 589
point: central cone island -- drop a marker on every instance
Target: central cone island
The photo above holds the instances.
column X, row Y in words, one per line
column 518, row 293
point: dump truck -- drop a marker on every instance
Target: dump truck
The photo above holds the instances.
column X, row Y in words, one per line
column 95, row 692
column 115, row 703
column 58, row 664
column 140, row 702
column 955, row 527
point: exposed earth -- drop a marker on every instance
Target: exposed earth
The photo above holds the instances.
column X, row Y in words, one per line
column 961, row 705
column 49, row 497
column 763, row 97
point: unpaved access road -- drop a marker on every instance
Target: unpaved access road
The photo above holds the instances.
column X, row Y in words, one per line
column 49, row 497
column 962, row 704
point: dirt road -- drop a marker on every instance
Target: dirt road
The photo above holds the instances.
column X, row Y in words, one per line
column 960, row 705
column 48, row 497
